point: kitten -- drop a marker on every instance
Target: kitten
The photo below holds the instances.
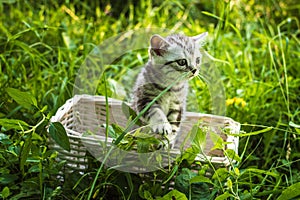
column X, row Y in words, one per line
column 169, row 59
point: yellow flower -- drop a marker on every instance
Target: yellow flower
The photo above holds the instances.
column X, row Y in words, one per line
column 240, row 101
column 237, row 101
column 229, row 102
column 243, row 104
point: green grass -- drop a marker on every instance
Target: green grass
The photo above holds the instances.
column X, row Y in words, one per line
column 42, row 46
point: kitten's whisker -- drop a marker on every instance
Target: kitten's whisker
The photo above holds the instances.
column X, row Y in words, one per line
column 202, row 78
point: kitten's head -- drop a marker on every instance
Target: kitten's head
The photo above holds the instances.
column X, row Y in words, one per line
column 177, row 52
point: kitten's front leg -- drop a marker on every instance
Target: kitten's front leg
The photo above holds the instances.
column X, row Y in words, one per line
column 174, row 117
column 174, row 114
column 158, row 121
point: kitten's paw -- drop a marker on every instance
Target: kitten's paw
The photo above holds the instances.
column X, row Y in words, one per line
column 168, row 142
column 162, row 128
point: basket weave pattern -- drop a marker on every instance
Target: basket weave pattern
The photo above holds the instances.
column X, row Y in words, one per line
column 84, row 113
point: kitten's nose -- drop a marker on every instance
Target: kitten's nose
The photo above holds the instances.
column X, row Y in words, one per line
column 194, row 71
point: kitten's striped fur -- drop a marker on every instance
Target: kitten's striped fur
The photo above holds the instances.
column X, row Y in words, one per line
column 169, row 59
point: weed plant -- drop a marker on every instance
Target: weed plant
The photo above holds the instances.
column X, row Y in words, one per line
column 42, row 45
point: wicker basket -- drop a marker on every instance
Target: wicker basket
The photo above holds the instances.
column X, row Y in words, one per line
column 84, row 113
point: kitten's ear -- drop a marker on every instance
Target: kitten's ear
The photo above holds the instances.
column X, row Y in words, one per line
column 158, row 45
column 200, row 39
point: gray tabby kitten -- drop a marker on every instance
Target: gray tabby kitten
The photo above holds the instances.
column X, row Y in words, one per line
column 169, row 59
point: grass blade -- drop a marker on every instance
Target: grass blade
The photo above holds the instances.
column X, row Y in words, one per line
column 290, row 192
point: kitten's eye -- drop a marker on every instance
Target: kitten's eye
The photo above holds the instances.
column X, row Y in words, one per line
column 181, row 62
column 198, row 60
